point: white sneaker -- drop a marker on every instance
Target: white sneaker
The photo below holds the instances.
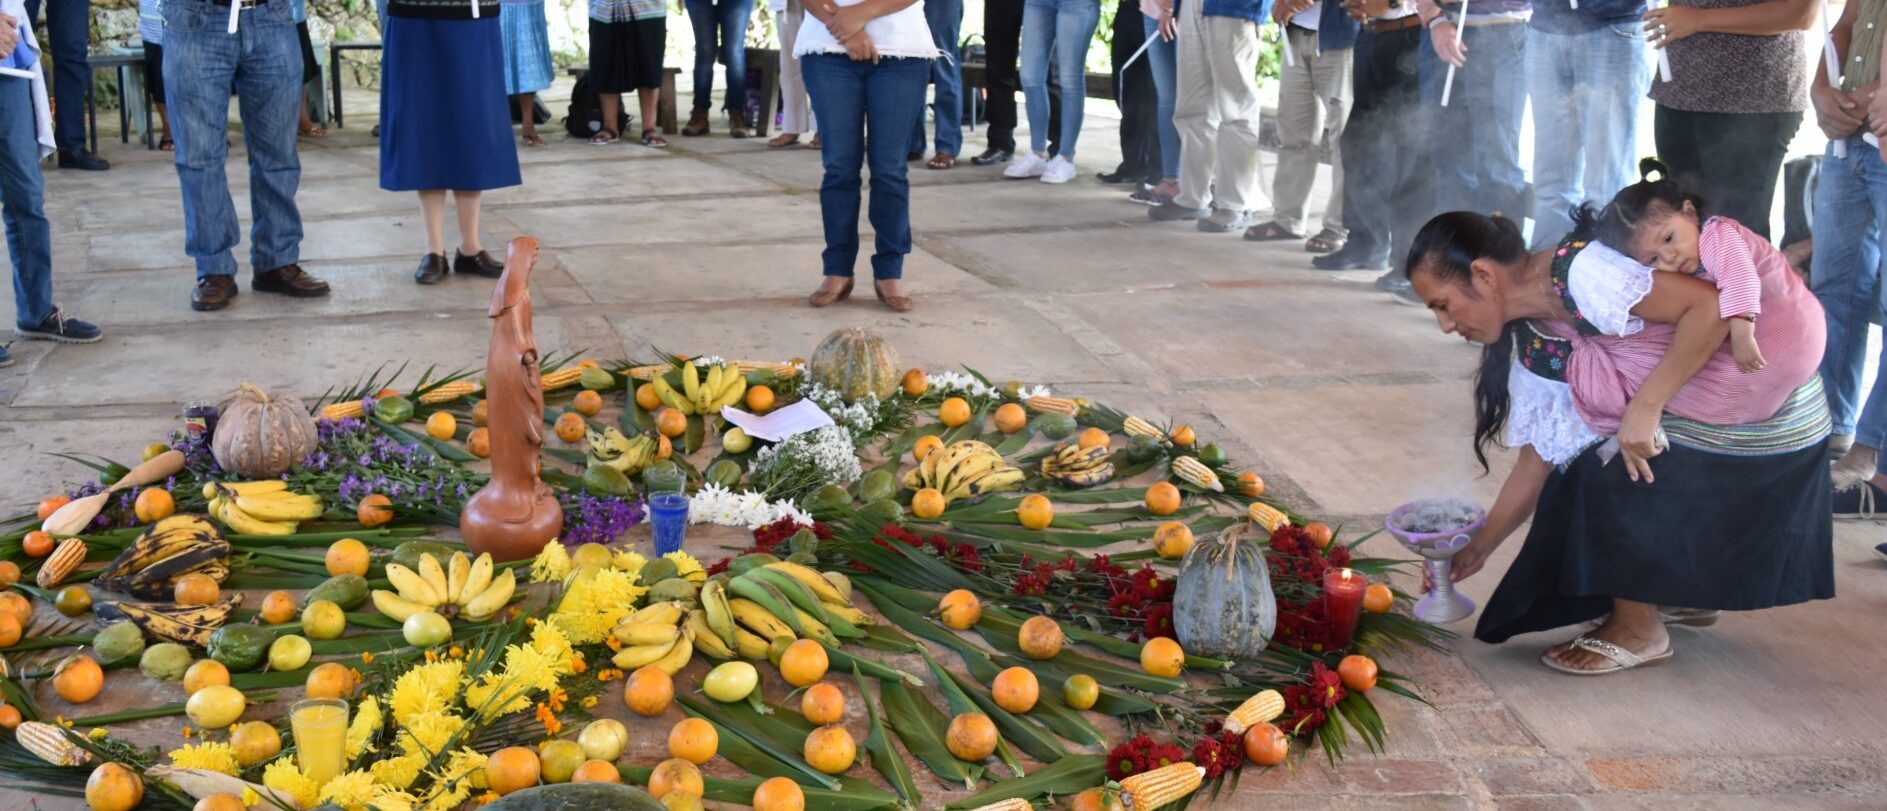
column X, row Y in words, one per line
column 1029, row 165
column 1059, row 170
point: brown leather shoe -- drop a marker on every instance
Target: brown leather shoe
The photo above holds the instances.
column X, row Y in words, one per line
column 478, row 264
column 737, row 124
column 432, row 269
column 697, row 123
column 902, row 304
column 212, row 293
column 289, row 280
column 824, row 297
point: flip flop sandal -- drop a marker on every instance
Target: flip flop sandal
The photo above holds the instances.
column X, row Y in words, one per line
column 652, row 138
column 1147, row 195
column 532, row 141
column 942, row 161
column 312, row 132
column 1326, row 241
column 604, row 137
column 783, row 140
column 1622, row 660
column 1269, row 232
column 166, row 144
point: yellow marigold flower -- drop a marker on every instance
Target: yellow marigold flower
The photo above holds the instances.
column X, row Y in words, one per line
column 431, row 656
column 427, row 688
column 352, row 791
column 361, row 730
column 551, row 642
column 469, row 766
column 366, row 657
column 188, row 732
column 493, row 696
column 608, row 674
column 588, row 702
column 214, row 757
column 613, row 643
column 592, row 607
column 628, row 561
column 428, row 733
column 556, row 699
column 544, row 716
column 398, row 772
column 577, row 665
column 552, row 563
column 284, row 776
column 250, row 796
column 98, row 734
column 686, row 566
column 395, row 801
column 455, row 652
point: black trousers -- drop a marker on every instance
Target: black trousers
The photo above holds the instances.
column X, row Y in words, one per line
column 1002, row 38
column 1139, row 131
column 1388, row 185
column 1732, row 158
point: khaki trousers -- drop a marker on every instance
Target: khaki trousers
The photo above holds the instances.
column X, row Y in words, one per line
column 1216, row 111
column 1313, row 104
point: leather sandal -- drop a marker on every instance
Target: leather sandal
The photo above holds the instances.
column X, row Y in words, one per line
column 942, row 161
column 784, row 139
column 1622, row 659
column 902, row 304
column 825, row 298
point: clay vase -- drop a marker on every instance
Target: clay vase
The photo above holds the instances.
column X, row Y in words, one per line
column 515, row 513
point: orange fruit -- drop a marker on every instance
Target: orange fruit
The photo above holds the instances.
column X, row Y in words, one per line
column 570, row 426
column 442, row 425
column 481, row 412
column 374, row 510
column 675, row 775
column 50, row 505
column 331, row 680
column 1378, row 599
column 1080, row 691
column 254, row 742
column 663, row 448
column 803, row 663
column 153, row 505
column 1093, row 438
column 954, row 412
column 10, row 716
column 513, row 768
column 37, row 543
column 928, row 503
column 220, row 802
column 830, row 749
column 113, row 788
column 925, row 444
column 1039, row 638
column 1319, row 532
column 671, row 423
column 1162, row 498
column 279, row 607
column 1250, row 485
column 1161, row 656
column 1172, row 540
column 1096, row 799
column 648, row 691
column 1266, row 745
column 1035, row 511
column 960, row 609
column 915, row 383
column 693, row 740
column 647, row 399
column 759, row 399
column 347, row 556
column 387, row 392
column 10, row 630
column 1358, row 673
column 18, row 605
column 971, row 736
column 596, row 771
column 588, row 403
column 78, row 679
column 1011, row 418
column 822, row 704
column 9, row 573
column 1183, row 436
column 196, row 588
column 1016, row 689
column 779, row 794
column 208, row 673
column 478, row 442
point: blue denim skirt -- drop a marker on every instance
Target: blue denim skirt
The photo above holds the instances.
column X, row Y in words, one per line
column 443, row 117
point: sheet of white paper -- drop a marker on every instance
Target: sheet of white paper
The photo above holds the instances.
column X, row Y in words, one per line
column 797, row 418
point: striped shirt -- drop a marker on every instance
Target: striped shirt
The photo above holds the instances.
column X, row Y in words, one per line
column 151, row 21
column 622, row 11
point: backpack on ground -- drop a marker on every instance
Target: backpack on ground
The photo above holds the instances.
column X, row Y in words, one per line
column 586, row 111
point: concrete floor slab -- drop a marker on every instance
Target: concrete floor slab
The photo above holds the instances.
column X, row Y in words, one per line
column 784, row 271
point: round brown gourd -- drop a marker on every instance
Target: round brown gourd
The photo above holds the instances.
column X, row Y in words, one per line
column 261, row 436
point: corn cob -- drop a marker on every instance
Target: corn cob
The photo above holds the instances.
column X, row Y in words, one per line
column 562, row 377
column 1149, row 790
column 345, row 410
column 1053, row 405
column 649, row 372
column 448, row 392
column 1136, row 427
column 6, row 670
column 748, row 367
column 1011, row 804
column 49, row 743
column 1195, row 471
column 61, row 563
column 1263, row 707
column 1267, row 516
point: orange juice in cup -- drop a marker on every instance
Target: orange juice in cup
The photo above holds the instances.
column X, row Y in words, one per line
column 320, row 727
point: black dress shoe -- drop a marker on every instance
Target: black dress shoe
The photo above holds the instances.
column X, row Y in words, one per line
column 81, row 159
column 1347, row 259
column 992, row 156
column 212, row 293
column 1120, row 176
column 432, row 269
column 478, row 264
column 289, row 280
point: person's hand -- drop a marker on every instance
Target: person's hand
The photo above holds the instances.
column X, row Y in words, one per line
column 1358, row 9
column 9, row 33
column 848, row 21
column 1169, row 27
column 1664, row 26
column 1837, row 113
column 1638, row 441
column 861, row 48
column 1448, row 44
column 1464, row 564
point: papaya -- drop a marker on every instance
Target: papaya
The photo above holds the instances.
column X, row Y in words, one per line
column 1055, row 426
column 878, row 484
column 349, row 591
column 578, row 797
column 241, row 647
column 407, row 554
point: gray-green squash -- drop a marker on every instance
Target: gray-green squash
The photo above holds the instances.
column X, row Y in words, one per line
column 1223, row 605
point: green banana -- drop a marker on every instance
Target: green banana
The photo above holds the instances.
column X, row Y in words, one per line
column 812, row 580
column 795, row 592
column 720, row 618
column 768, row 597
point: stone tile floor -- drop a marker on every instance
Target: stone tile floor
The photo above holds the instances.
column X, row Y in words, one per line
column 1345, row 401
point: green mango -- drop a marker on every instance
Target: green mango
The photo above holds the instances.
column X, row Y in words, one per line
column 657, row 570
column 349, row 591
column 241, row 647
column 881, row 512
column 596, row 378
column 674, row 588
column 393, row 409
column 878, row 484
column 604, row 480
column 1055, row 426
column 407, row 554
column 1212, row 455
column 827, row 502
column 746, row 563
column 724, row 472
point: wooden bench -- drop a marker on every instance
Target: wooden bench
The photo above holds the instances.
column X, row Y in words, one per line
column 1100, row 85
column 664, row 105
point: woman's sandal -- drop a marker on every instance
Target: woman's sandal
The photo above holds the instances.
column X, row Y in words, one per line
column 311, row 131
column 651, row 137
column 942, row 161
column 1326, row 241
column 1622, row 660
column 166, row 144
column 815, row 142
column 783, row 140
column 603, row 137
column 1269, row 232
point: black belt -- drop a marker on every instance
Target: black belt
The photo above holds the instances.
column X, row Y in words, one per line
column 242, row 4
column 1397, row 24
column 1296, row 27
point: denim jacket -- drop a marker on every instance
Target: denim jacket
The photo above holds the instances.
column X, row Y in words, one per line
column 1257, row 11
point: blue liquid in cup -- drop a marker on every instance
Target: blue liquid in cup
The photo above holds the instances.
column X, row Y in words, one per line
column 668, row 517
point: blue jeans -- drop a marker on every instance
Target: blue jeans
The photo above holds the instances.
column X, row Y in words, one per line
column 1066, row 27
column 67, row 40
column 262, row 64
column 1162, row 58
column 1585, row 90
column 1850, row 208
column 720, row 31
column 848, row 99
column 22, row 204
column 946, row 22
column 1474, row 142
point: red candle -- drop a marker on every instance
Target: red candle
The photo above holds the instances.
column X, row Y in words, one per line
column 1343, row 602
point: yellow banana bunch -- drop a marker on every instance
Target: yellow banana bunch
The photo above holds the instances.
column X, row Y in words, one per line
column 661, row 635
column 1071, row 465
column 717, row 614
column 627, row 455
column 261, row 508
column 463, row 587
column 964, row 469
column 670, row 397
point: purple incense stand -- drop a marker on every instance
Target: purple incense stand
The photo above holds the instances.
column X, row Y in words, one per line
column 1438, row 529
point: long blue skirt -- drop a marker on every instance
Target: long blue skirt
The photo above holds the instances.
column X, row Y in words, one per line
column 527, row 46
column 443, row 117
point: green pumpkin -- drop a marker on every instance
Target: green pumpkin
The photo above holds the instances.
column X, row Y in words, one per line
column 578, row 797
column 856, row 362
column 1223, row 605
